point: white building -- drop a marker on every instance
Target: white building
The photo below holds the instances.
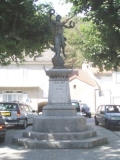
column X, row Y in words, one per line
column 83, row 87
column 110, row 86
column 109, row 82
column 27, row 83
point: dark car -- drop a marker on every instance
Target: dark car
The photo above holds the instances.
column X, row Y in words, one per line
column 76, row 103
column 108, row 115
column 2, row 129
column 85, row 110
column 81, row 108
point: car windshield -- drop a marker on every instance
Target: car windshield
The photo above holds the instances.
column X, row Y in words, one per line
column 112, row 108
column 8, row 107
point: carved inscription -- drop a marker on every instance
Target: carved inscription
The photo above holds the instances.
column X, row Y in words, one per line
column 59, row 89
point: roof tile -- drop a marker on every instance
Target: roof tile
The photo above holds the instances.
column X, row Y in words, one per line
column 83, row 76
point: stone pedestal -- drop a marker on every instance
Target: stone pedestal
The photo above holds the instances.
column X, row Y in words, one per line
column 59, row 101
column 59, row 115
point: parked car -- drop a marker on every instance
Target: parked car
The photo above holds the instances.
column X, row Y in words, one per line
column 15, row 113
column 2, row 129
column 81, row 108
column 85, row 110
column 108, row 114
column 76, row 103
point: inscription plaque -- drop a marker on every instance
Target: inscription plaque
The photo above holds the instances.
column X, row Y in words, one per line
column 59, row 91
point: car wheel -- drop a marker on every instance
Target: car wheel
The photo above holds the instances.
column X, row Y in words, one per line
column 96, row 122
column 107, row 126
column 24, row 126
column 2, row 139
column 89, row 116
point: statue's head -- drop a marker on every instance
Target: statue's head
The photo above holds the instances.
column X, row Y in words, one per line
column 58, row 18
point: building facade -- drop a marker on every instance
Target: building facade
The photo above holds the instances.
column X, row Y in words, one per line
column 28, row 83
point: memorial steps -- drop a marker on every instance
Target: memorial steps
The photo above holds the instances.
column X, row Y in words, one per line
column 82, row 140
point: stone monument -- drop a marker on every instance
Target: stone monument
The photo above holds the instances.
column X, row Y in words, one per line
column 59, row 126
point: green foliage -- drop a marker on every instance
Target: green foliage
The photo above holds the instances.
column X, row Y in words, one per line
column 93, row 47
column 105, row 15
column 74, row 55
column 24, row 30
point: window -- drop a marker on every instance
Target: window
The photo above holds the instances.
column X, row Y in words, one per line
column 99, row 108
column 74, row 86
column 103, row 108
column 21, row 107
column 76, row 104
column 30, row 108
column 12, row 96
column 27, row 108
column 9, row 97
column 8, row 107
column 113, row 108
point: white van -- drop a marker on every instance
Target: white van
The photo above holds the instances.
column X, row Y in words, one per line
column 15, row 113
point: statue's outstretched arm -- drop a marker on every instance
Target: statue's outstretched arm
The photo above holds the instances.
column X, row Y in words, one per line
column 71, row 25
column 51, row 13
column 64, row 22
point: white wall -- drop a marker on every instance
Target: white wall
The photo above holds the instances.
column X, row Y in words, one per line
column 111, row 89
column 31, row 79
column 83, row 92
column 24, row 75
column 106, row 82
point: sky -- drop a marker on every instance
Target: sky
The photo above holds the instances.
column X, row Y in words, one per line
column 60, row 8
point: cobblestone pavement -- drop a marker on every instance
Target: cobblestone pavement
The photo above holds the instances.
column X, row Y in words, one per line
column 110, row 151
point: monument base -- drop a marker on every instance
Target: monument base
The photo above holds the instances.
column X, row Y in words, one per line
column 59, row 126
column 59, row 110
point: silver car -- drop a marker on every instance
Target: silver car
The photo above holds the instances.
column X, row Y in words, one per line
column 15, row 113
column 108, row 114
column 2, row 129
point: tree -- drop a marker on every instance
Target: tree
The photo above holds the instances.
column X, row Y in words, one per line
column 24, row 30
column 91, row 45
column 73, row 52
column 106, row 16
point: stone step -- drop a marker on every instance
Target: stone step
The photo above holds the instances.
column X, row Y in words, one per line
column 86, row 139
column 61, row 144
column 60, row 136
